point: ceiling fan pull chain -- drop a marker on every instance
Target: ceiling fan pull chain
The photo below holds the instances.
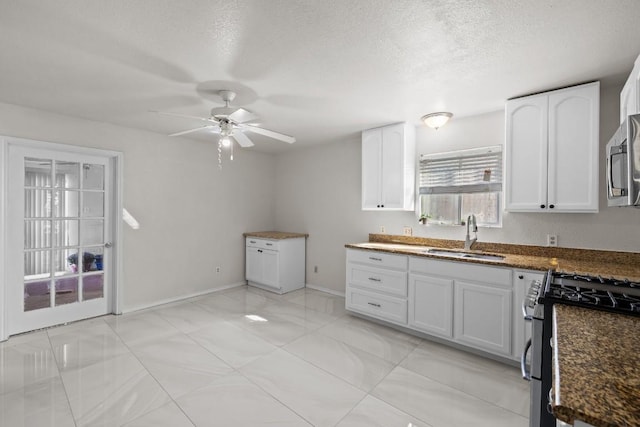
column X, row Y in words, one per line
column 231, row 148
column 220, row 154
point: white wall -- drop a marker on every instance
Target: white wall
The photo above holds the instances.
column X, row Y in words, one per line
column 318, row 192
column 191, row 215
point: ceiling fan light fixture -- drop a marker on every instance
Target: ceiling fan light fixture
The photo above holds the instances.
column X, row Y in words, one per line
column 225, row 141
column 436, row 120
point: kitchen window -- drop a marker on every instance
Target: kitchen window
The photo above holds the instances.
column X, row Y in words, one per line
column 456, row 184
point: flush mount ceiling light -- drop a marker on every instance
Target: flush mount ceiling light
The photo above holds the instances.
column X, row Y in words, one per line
column 436, row 120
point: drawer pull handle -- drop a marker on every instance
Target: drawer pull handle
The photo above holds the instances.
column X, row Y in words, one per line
column 269, row 244
column 373, row 279
column 375, row 259
column 252, row 241
column 374, row 304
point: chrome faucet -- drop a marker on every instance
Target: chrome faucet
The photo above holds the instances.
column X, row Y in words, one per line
column 468, row 241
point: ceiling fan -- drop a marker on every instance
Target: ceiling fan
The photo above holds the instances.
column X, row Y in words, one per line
column 230, row 122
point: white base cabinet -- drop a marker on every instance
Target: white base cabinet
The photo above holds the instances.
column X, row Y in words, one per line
column 474, row 305
column 377, row 285
column 431, row 305
column 275, row 265
column 482, row 317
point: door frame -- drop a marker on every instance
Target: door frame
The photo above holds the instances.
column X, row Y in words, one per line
column 116, row 163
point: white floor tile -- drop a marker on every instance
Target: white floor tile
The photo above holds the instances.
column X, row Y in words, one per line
column 78, row 347
column 372, row 412
column 138, row 328
column 113, row 392
column 179, row 364
column 42, row 404
column 319, row 397
column 234, row 401
column 485, row 379
column 188, row 317
column 320, row 301
column 378, row 340
column 440, row 405
column 232, row 344
column 357, row 367
column 169, row 415
column 26, row 363
column 270, row 327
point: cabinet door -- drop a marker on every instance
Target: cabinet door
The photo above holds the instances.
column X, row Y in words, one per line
column 270, row 268
column 431, row 304
column 483, row 317
column 573, row 149
column 253, row 271
column 371, row 168
column 526, row 154
column 630, row 95
column 393, row 167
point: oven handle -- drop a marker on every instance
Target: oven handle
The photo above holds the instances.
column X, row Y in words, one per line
column 526, row 375
column 526, row 315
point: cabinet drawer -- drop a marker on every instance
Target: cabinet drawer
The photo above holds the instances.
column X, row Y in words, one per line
column 377, row 279
column 379, row 259
column 262, row 243
column 376, row 305
column 462, row 270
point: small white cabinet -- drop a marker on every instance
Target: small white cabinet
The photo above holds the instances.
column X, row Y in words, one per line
column 388, row 168
column 551, row 155
column 275, row 265
column 630, row 95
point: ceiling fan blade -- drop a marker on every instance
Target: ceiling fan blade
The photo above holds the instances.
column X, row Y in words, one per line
column 269, row 133
column 242, row 139
column 184, row 132
column 241, row 116
column 184, row 116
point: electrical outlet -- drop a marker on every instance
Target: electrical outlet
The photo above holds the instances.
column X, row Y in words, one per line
column 407, row 231
column 315, row 269
column 552, row 240
column 217, row 269
column 383, row 229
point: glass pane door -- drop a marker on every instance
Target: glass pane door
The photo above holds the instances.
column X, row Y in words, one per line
column 64, row 226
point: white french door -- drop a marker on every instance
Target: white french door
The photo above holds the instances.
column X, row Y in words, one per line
column 59, row 229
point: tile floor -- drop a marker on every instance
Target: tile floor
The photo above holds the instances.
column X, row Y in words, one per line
column 245, row 357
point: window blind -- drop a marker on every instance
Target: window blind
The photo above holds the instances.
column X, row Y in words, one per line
column 466, row 171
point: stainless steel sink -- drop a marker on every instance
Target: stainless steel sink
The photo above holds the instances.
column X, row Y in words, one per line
column 464, row 255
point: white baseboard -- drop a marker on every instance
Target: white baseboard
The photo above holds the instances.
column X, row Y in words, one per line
column 180, row 298
column 323, row 289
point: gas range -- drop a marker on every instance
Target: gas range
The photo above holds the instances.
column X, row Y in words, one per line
column 609, row 294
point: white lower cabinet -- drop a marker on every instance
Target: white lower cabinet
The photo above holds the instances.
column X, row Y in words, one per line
column 377, row 285
column 275, row 265
column 431, row 305
column 482, row 317
column 470, row 304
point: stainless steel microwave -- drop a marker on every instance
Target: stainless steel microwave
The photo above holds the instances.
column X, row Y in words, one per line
column 623, row 164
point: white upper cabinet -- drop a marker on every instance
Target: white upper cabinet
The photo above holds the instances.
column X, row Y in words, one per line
column 388, row 168
column 552, row 151
column 630, row 95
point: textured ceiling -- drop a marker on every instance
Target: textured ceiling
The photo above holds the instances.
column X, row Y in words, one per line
column 318, row 70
